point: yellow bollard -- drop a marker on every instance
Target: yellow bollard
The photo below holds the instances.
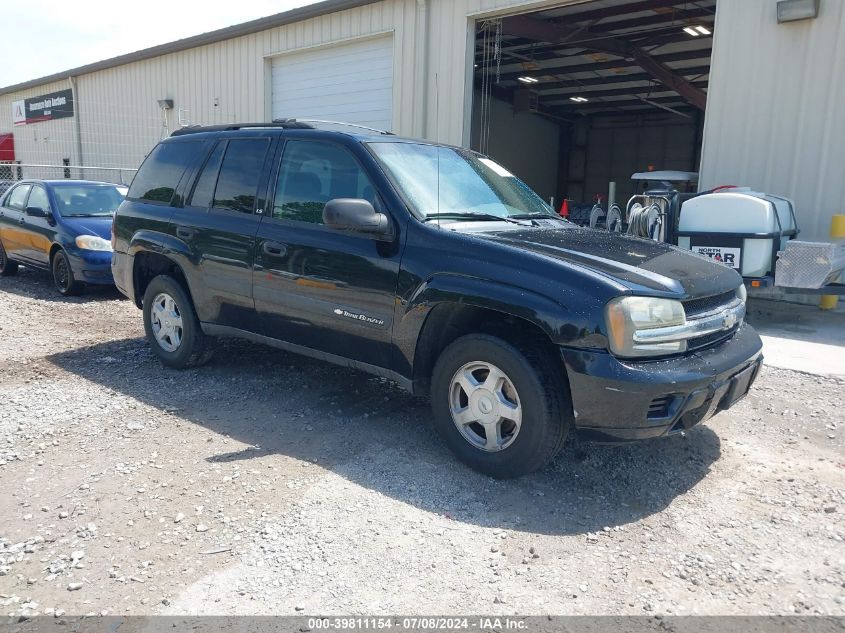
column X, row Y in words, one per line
column 837, row 232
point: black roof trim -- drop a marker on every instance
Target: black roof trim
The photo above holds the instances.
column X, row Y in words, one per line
column 230, row 32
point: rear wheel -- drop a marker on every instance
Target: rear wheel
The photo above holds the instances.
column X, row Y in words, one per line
column 502, row 410
column 63, row 277
column 7, row 266
column 172, row 326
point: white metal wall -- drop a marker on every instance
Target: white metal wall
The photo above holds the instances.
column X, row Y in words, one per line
column 775, row 115
column 230, row 81
column 224, row 82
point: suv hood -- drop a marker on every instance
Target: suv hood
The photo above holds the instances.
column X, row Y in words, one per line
column 633, row 261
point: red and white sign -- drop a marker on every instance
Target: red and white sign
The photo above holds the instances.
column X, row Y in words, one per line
column 19, row 112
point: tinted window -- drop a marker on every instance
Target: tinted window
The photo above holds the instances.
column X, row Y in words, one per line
column 86, row 200
column 240, row 171
column 204, row 189
column 17, row 197
column 311, row 174
column 157, row 179
column 38, row 198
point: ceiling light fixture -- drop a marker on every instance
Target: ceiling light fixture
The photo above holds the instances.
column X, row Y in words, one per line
column 691, row 31
column 703, row 30
column 579, row 99
column 528, row 80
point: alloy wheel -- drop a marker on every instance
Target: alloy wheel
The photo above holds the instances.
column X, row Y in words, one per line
column 485, row 406
column 166, row 320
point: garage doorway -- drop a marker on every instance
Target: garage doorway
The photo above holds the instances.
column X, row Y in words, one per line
column 575, row 98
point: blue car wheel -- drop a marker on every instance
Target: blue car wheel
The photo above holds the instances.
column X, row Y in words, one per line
column 63, row 277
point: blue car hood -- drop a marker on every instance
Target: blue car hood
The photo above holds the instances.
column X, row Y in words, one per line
column 101, row 227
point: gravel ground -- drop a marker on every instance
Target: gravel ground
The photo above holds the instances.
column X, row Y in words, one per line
column 265, row 483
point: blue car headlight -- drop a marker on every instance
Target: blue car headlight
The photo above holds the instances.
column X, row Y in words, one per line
column 92, row 243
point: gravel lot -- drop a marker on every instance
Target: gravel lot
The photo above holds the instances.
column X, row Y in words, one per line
column 268, row 483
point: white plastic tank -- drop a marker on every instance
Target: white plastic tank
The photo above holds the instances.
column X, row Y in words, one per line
column 727, row 226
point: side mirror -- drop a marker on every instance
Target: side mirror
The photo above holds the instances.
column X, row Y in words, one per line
column 36, row 212
column 357, row 216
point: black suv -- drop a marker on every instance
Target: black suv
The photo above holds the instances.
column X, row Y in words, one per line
column 435, row 267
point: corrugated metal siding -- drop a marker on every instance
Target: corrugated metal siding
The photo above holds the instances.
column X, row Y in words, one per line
column 229, row 81
column 774, row 114
column 223, row 82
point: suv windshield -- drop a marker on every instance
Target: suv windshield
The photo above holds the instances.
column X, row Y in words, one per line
column 74, row 201
column 445, row 181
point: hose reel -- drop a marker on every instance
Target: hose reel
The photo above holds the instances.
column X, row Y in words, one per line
column 645, row 221
column 612, row 221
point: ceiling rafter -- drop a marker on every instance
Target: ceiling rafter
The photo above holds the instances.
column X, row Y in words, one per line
column 566, row 69
column 530, row 28
column 694, row 72
column 623, row 9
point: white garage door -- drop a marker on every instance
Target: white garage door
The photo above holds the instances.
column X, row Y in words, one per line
column 349, row 82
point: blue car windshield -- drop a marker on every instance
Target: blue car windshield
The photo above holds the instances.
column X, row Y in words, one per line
column 446, row 181
column 81, row 200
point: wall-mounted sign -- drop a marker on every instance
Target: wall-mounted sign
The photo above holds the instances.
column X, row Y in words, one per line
column 56, row 105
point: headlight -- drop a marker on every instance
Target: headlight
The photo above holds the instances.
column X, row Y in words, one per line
column 629, row 316
column 93, row 243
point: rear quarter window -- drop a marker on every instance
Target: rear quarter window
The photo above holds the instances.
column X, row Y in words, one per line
column 158, row 177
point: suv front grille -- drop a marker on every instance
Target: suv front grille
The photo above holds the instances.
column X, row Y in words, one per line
column 695, row 307
column 710, row 339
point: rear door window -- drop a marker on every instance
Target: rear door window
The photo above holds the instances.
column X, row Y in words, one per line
column 17, row 197
column 204, row 189
column 158, row 177
column 240, row 173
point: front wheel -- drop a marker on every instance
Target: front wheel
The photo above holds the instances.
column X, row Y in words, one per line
column 503, row 411
column 7, row 266
column 172, row 326
column 63, row 277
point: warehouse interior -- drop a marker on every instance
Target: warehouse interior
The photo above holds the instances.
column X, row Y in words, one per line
column 574, row 98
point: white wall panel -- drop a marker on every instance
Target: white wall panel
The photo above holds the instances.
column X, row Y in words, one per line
column 775, row 108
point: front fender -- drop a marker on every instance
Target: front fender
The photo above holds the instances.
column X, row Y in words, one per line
column 575, row 326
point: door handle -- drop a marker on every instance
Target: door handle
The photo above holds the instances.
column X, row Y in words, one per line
column 275, row 249
column 185, row 233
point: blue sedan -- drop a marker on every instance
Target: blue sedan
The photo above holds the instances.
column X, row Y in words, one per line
column 62, row 226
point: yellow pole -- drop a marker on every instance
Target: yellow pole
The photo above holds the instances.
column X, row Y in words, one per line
column 837, row 232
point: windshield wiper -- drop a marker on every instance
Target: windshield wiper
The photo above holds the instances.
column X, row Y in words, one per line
column 537, row 216
column 466, row 215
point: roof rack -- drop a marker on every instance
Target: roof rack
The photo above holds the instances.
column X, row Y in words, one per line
column 289, row 124
column 341, row 123
column 282, row 123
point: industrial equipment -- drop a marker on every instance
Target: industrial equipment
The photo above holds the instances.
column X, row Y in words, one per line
column 750, row 231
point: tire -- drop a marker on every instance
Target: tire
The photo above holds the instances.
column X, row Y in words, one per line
column 171, row 325
column 530, row 387
column 8, row 268
column 63, row 277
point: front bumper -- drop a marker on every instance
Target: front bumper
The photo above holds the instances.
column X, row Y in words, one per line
column 91, row 267
column 621, row 401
